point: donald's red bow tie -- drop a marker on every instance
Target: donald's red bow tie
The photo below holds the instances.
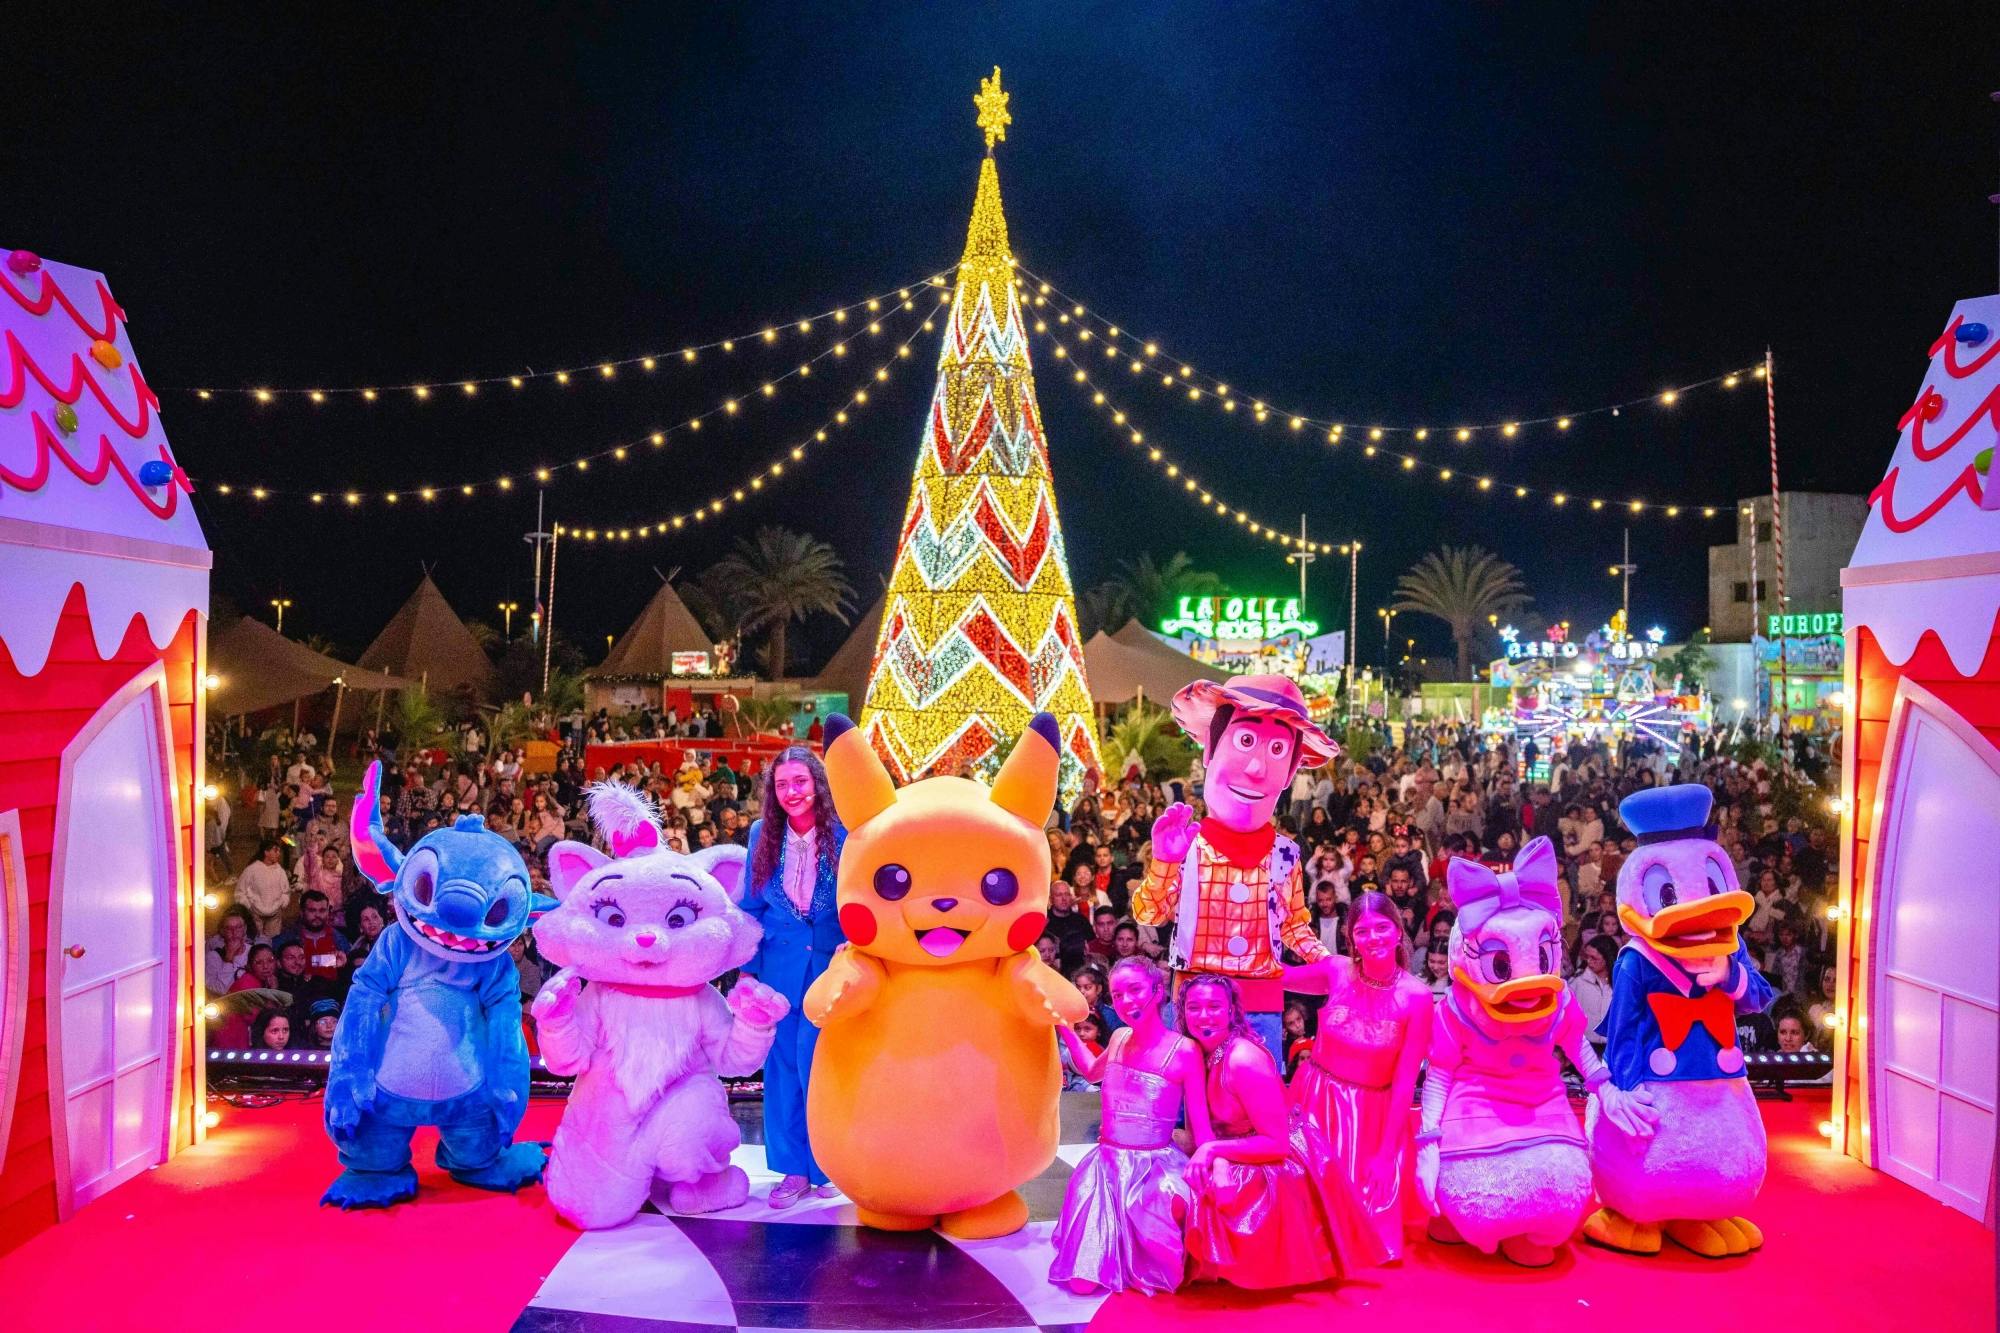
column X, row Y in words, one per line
column 1678, row 1015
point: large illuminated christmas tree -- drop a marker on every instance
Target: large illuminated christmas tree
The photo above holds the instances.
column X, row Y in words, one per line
column 979, row 630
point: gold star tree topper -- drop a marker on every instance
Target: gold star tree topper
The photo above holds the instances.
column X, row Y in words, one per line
column 992, row 104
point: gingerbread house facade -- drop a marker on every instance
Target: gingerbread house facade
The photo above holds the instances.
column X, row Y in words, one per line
column 1918, row 1015
column 101, row 669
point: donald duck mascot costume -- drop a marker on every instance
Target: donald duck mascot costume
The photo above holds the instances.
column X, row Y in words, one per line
column 1695, row 1164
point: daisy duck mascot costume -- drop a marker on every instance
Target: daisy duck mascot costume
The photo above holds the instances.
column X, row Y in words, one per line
column 1501, row 1161
column 431, row 1034
column 1676, row 989
column 649, row 929
column 1231, row 884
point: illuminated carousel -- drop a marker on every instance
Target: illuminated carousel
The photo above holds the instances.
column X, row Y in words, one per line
column 1605, row 687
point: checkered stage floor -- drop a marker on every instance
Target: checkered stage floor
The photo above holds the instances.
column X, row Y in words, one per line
column 810, row 1267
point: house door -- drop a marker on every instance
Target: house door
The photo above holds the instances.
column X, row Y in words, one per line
column 111, row 940
column 1936, row 982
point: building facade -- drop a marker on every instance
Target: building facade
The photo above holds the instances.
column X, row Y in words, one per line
column 1820, row 532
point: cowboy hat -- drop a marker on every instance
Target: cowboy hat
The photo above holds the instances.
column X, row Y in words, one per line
column 1272, row 698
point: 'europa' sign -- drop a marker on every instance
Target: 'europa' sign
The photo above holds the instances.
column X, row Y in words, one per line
column 1236, row 619
column 1803, row 625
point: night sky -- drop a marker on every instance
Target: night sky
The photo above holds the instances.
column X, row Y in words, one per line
column 1409, row 214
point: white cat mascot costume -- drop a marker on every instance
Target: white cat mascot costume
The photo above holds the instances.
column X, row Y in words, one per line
column 649, row 930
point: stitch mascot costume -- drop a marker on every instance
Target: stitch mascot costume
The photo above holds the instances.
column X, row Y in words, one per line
column 934, row 1085
column 431, row 1034
column 649, row 929
column 1676, row 989
column 1231, row 884
column 1502, row 1162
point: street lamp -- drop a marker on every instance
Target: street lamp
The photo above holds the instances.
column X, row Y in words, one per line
column 508, row 609
column 281, row 603
column 1301, row 557
column 1388, row 618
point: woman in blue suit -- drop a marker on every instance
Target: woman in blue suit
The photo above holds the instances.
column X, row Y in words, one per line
column 794, row 852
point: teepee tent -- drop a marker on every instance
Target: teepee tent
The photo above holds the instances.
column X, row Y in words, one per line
column 427, row 642
column 979, row 631
column 846, row 672
column 664, row 628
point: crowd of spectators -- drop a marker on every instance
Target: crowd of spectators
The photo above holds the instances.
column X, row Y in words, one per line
column 1392, row 820
column 303, row 918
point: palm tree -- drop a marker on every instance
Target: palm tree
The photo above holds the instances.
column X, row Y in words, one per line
column 417, row 719
column 1148, row 733
column 565, row 692
column 715, row 602
column 1142, row 590
column 486, row 637
column 1462, row 586
column 780, row 576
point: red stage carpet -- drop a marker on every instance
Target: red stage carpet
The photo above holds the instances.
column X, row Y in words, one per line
column 228, row 1236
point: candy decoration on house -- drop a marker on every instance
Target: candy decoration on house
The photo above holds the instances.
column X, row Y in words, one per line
column 1676, row 989
column 1501, row 1161
column 431, row 1034
column 979, row 632
column 103, row 623
column 1921, row 786
column 933, row 1095
column 649, row 929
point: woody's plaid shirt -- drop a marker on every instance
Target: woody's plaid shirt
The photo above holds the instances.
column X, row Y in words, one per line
column 1234, row 903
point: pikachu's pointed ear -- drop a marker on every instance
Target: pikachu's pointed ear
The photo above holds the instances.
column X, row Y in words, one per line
column 861, row 786
column 1026, row 786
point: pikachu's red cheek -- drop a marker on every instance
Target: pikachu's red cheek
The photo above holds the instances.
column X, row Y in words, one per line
column 858, row 924
column 1027, row 928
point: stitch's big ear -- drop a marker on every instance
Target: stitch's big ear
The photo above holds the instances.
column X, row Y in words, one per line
column 861, row 786
column 727, row 863
column 569, row 862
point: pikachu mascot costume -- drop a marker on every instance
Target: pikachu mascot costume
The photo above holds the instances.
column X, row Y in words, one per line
column 934, row 1086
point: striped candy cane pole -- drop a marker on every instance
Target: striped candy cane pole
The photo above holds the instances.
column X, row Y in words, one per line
column 1778, row 549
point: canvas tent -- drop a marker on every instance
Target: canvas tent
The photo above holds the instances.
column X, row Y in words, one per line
column 1121, row 671
column 427, row 643
column 257, row 668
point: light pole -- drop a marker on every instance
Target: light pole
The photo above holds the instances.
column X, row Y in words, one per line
column 1302, row 557
column 1626, row 569
column 508, row 609
column 1388, row 619
column 536, row 539
column 280, row 603
column 1352, row 550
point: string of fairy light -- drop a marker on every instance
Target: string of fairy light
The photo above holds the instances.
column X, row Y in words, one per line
column 1152, row 364
column 769, row 335
column 655, row 440
column 1148, row 362
column 756, row 481
column 1080, row 378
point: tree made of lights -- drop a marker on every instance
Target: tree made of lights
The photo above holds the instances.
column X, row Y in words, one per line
column 979, row 630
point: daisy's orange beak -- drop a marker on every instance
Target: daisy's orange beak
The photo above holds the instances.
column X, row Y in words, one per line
column 1704, row 928
column 1522, row 1000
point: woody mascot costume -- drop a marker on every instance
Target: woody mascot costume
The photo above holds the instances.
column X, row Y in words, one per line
column 1230, row 883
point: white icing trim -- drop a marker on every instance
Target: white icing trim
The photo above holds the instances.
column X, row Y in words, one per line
column 1960, row 610
column 35, row 582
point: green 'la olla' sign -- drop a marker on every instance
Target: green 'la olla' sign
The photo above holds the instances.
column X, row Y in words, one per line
column 1803, row 624
column 1239, row 618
